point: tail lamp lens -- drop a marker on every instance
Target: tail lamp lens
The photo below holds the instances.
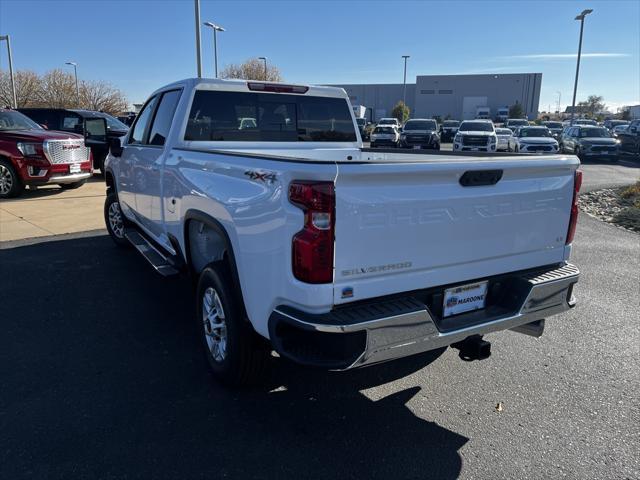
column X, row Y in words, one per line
column 312, row 247
column 573, row 220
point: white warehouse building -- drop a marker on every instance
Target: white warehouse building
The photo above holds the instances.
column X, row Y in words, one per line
column 450, row 96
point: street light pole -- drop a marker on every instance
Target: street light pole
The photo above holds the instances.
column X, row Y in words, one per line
column 575, row 85
column 216, row 29
column 559, row 97
column 13, row 82
column 264, row 59
column 404, row 82
column 198, row 56
column 75, row 71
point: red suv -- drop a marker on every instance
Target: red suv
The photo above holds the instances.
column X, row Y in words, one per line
column 31, row 155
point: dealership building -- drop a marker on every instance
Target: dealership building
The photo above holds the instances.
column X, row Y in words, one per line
column 453, row 96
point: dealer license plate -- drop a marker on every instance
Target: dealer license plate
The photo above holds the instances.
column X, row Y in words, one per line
column 464, row 298
column 74, row 168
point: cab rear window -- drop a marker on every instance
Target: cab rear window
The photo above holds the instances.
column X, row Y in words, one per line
column 265, row 117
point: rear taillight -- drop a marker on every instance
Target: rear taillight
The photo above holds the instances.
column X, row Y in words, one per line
column 577, row 183
column 312, row 247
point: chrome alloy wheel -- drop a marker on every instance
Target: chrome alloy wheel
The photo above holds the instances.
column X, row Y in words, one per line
column 115, row 220
column 6, row 180
column 215, row 327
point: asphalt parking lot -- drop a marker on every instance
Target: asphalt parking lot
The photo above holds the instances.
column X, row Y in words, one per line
column 102, row 377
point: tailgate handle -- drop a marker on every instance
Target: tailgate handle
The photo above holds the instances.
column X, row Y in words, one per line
column 477, row 178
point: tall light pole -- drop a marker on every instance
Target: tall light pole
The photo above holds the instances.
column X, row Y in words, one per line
column 404, row 82
column 559, row 97
column 216, row 29
column 198, row 56
column 13, row 82
column 75, row 72
column 575, row 85
column 264, row 59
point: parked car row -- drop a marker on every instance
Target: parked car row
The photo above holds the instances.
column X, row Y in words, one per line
column 417, row 133
column 31, row 154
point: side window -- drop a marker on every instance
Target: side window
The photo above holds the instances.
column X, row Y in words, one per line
column 164, row 117
column 70, row 122
column 142, row 122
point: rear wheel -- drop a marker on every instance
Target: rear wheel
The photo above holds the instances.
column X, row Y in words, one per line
column 236, row 354
column 114, row 219
column 10, row 183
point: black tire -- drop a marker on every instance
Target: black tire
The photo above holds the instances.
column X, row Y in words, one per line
column 10, row 183
column 436, row 146
column 115, row 227
column 72, row 186
column 245, row 354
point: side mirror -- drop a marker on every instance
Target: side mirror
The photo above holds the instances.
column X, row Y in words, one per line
column 44, row 125
column 95, row 132
column 115, row 147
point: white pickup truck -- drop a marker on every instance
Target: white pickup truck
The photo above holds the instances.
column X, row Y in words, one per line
column 334, row 255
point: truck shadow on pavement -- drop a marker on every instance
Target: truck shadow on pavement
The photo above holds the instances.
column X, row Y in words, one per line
column 102, row 376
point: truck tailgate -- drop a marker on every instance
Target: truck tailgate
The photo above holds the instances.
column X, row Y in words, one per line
column 408, row 226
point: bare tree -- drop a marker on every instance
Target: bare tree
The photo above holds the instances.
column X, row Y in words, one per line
column 57, row 89
column 102, row 97
column 27, row 88
column 252, row 69
column 592, row 105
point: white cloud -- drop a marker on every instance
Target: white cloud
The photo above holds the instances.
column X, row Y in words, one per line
column 563, row 56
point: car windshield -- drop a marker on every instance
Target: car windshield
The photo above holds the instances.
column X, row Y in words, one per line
column 584, row 122
column 12, row 120
column 384, row 130
column 451, row 123
column 553, row 125
column 503, row 131
column 534, row 132
column 388, row 121
column 420, row 125
column 113, row 123
column 597, row 132
column 476, row 127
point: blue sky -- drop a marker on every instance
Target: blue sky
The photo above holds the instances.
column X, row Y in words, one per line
column 139, row 45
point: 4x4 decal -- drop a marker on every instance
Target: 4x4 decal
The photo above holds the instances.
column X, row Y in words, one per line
column 266, row 177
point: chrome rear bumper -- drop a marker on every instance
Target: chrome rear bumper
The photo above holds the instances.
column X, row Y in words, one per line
column 386, row 329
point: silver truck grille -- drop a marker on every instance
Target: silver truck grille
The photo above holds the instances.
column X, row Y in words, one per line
column 66, row 151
